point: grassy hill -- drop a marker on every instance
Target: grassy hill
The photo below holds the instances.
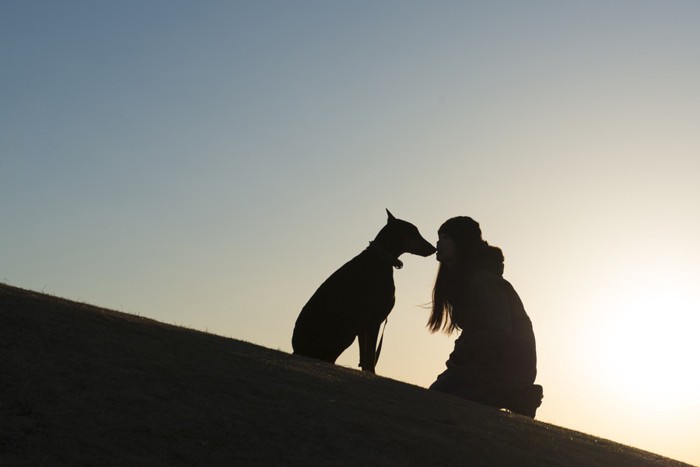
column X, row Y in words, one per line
column 81, row 385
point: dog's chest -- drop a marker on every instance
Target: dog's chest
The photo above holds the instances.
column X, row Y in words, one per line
column 362, row 282
column 379, row 290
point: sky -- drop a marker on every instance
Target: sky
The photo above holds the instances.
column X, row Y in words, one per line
column 210, row 163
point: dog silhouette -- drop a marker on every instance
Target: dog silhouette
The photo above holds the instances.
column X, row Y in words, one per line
column 357, row 298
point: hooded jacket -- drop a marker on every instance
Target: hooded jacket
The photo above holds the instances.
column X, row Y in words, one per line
column 496, row 347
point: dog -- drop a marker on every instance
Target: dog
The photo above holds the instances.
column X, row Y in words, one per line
column 357, row 298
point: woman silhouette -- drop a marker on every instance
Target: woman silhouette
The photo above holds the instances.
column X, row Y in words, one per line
column 494, row 361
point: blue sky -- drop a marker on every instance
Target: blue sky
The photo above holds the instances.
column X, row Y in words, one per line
column 210, row 163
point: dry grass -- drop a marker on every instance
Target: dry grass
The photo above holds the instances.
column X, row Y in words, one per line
column 81, row 385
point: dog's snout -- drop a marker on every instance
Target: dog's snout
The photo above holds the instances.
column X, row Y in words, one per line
column 425, row 248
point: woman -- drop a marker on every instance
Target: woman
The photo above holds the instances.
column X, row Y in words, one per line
column 494, row 360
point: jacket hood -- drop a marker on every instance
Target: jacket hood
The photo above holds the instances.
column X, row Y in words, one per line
column 489, row 258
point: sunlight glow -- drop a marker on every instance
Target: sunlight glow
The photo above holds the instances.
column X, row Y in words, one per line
column 645, row 345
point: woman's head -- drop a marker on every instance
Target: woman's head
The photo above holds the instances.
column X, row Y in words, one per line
column 457, row 238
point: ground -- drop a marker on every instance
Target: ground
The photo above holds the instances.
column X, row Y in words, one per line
column 82, row 385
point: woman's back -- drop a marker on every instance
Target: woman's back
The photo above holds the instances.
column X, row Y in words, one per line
column 497, row 340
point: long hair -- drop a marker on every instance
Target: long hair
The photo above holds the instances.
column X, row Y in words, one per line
column 472, row 253
column 441, row 314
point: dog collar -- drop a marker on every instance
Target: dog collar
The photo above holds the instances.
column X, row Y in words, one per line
column 396, row 262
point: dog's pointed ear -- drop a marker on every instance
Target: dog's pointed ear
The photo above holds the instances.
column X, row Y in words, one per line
column 390, row 216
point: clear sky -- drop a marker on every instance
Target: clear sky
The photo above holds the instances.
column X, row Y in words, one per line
column 210, row 163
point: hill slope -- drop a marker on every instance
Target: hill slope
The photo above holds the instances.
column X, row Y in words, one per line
column 81, row 385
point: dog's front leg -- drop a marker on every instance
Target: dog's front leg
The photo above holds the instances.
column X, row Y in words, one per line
column 367, row 338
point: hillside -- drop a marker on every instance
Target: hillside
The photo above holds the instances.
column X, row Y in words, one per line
column 81, row 385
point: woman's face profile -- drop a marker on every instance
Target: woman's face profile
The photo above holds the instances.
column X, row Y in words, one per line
column 446, row 251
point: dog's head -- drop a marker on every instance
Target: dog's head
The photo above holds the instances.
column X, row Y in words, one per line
column 409, row 238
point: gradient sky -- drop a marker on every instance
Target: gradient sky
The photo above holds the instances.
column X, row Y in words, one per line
column 210, row 163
